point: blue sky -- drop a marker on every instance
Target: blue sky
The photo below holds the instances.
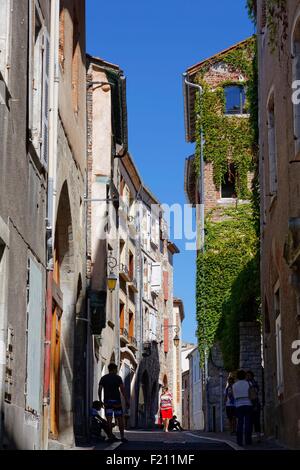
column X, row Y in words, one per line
column 154, row 42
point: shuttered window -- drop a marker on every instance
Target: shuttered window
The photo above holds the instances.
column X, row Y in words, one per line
column 5, row 34
column 34, row 336
column 39, row 54
column 152, row 326
column 156, row 277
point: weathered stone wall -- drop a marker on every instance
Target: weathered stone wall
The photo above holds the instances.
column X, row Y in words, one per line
column 23, row 213
column 214, row 413
column 251, row 350
column 276, row 74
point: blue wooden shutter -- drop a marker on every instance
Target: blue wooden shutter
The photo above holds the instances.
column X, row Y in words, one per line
column 34, row 337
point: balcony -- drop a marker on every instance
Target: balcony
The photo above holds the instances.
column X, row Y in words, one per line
column 133, row 284
column 124, row 335
column 132, row 343
column 124, row 272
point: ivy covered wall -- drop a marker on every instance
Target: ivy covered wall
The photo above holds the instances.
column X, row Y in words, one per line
column 227, row 285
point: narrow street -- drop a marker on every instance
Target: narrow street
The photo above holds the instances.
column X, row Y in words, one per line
column 182, row 442
column 150, row 229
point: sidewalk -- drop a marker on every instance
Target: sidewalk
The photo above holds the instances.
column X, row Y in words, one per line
column 265, row 444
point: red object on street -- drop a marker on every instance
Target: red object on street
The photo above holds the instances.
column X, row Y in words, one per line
column 167, row 414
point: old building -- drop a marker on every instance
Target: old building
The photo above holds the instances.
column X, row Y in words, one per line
column 178, row 317
column 219, row 97
column 186, row 349
column 64, row 387
column 195, row 391
column 107, row 142
column 279, row 188
column 158, row 329
column 24, row 32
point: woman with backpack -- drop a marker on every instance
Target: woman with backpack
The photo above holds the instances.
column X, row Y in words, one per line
column 243, row 408
column 254, row 397
column 230, row 404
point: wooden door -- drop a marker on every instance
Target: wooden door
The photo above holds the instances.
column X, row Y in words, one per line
column 55, row 351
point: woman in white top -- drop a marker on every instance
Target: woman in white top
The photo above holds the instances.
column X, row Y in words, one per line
column 243, row 408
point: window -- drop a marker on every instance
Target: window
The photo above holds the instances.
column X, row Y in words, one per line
column 122, row 316
column 296, row 77
column 228, row 184
column 235, row 99
column 279, row 360
column 34, row 335
column 272, row 146
column 5, row 27
column 131, row 265
column 131, row 324
column 156, row 277
column 154, row 230
column 39, row 83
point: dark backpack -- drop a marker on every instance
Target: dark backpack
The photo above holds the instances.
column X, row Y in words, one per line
column 252, row 393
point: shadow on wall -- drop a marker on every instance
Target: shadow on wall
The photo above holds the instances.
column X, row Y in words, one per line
column 147, row 389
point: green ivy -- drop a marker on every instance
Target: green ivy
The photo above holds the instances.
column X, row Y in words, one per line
column 226, row 276
column 227, row 285
column 228, row 139
column 276, row 20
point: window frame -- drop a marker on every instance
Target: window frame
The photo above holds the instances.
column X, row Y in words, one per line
column 241, row 111
column 38, row 83
column 5, row 36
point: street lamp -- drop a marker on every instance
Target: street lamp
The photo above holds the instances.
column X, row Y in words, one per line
column 112, row 277
column 176, row 339
column 111, row 281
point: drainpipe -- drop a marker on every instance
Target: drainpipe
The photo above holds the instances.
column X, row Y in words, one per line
column 201, row 216
column 53, row 120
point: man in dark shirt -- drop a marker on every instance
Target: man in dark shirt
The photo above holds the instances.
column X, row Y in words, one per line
column 112, row 385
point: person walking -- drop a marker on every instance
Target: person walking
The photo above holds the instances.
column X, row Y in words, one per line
column 112, row 384
column 243, row 408
column 166, row 407
column 256, row 407
column 230, row 404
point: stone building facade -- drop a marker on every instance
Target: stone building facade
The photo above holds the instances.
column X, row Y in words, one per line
column 279, row 189
column 157, row 366
column 215, row 73
column 65, row 412
column 23, row 198
column 107, row 135
column 178, row 318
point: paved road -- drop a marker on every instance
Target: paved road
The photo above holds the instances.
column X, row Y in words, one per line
column 172, row 441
